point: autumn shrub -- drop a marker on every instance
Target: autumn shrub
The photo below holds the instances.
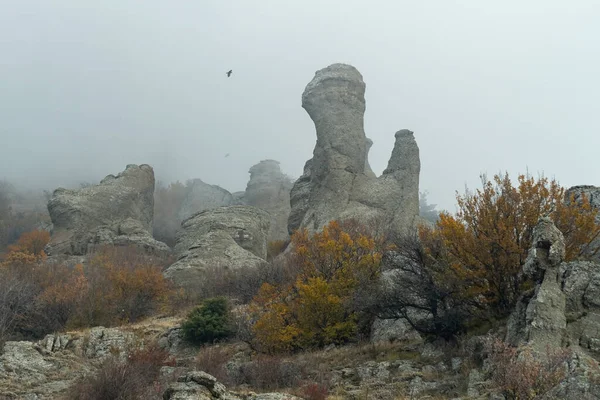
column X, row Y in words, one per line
column 314, row 391
column 31, row 243
column 123, row 285
column 317, row 308
column 209, row 322
column 213, row 360
column 521, row 374
column 132, row 378
column 270, row 372
column 485, row 244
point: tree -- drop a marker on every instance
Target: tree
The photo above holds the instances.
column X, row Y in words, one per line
column 487, row 241
column 319, row 307
column 417, row 288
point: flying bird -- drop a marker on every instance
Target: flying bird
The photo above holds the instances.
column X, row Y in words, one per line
column 226, row 155
column 229, row 73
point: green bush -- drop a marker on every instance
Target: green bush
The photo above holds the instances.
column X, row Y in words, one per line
column 209, row 322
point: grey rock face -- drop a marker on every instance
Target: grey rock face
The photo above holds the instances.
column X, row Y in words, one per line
column 269, row 189
column 203, row 196
column 118, row 211
column 337, row 182
column 545, row 320
column 228, row 237
column 581, row 285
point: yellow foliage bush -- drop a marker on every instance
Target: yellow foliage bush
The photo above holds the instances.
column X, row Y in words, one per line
column 317, row 309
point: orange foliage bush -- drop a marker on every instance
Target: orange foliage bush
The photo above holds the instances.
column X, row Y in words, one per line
column 123, row 285
column 486, row 243
column 31, row 243
column 316, row 309
column 116, row 285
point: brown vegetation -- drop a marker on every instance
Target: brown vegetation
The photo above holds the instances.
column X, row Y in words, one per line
column 117, row 285
column 317, row 308
column 127, row 378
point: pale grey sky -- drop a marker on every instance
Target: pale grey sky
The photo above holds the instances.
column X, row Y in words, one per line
column 87, row 87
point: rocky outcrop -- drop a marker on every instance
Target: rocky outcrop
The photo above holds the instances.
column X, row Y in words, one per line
column 269, row 189
column 203, row 196
column 564, row 308
column 198, row 385
column 45, row 369
column 545, row 315
column 337, row 182
column 227, row 237
column 118, row 211
column 580, row 282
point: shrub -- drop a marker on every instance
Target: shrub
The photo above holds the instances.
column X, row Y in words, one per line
column 31, row 243
column 123, row 285
column 116, row 285
column 136, row 377
column 209, row 322
column 314, row 391
column 317, row 309
column 521, row 374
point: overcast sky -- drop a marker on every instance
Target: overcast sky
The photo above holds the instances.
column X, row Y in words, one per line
column 88, row 86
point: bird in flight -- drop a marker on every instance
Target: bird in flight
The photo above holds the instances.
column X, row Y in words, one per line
column 226, row 155
column 229, row 73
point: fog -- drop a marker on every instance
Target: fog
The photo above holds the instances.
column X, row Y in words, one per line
column 87, row 87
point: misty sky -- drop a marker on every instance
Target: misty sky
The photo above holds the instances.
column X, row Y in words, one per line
column 87, row 87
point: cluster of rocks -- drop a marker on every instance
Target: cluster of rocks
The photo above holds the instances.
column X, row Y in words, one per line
column 268, row 189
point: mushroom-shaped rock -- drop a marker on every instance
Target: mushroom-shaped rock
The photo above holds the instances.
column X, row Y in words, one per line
column 338, row 182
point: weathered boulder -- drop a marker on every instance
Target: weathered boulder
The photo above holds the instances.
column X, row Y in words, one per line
column 203, row 196
column 228, row 237
column 269, row 189
column 337, row 182
column 118, row 211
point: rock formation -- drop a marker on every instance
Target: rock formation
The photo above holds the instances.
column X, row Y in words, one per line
column 337, row 182
column 118, row 211
column 203, row 196
column 228, row 237
column 545, row 315
column 269, row 189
